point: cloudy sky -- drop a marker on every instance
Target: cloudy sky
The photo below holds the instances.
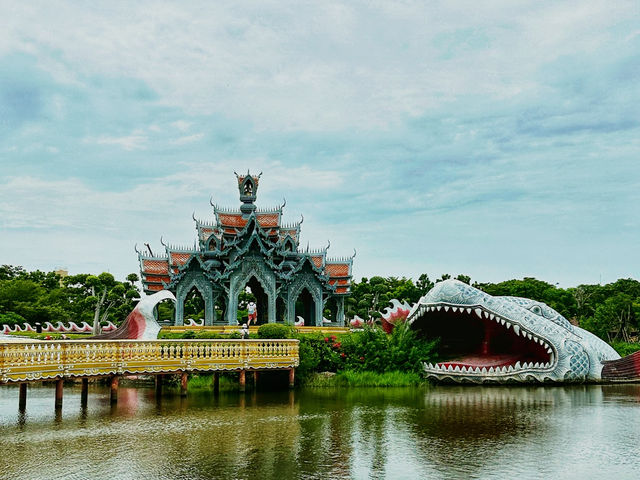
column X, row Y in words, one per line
column 500, row 142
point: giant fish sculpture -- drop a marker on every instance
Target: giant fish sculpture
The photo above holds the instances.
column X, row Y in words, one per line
column 510, row 339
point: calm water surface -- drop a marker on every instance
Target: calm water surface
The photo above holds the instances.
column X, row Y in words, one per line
column 438, row 432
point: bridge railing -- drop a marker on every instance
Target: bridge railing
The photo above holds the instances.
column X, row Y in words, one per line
column 76, row 358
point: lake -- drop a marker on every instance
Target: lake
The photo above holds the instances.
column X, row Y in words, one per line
column 431, row 432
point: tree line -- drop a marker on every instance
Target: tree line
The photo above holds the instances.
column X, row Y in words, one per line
column 611, row 311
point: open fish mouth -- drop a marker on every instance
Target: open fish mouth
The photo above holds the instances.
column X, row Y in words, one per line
column 477, row 344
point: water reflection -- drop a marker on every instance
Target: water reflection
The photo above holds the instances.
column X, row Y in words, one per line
column 440, row 432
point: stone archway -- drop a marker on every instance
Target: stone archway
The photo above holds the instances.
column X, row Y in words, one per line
column 189, row 282
column 252, row 267
column 309, row 283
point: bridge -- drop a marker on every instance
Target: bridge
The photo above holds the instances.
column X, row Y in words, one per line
column 57, row 360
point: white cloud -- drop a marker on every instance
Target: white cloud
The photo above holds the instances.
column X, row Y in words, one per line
column 128, row 142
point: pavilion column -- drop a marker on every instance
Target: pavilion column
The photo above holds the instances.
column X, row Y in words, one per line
column 291, row 309
column 319, row 310
column 271, row 313
column 209, row 311
column 340, row 312
column 292, row 377
column 232, row 307
column 179, row 320
column 159, row 378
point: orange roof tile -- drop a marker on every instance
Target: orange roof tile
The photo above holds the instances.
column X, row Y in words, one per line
column 337, row 269
column 155, row 266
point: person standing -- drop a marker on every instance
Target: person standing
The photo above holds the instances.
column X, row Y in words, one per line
column 252, row 310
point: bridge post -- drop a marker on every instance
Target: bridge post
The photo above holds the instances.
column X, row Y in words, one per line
column 242, row 381
column 159, row 378
column 84, row 392
column 184, row 379
column 216, row 382
column 115, row 380
column 22, row 402
column 59, row 385
column 255, row 379
column 292, row 377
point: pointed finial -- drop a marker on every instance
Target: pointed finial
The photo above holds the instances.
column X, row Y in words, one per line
column 162, row 241
column 193, row 215
column 301, row 218
column 328, row 244
column 354, row 254
column 284, row 202
column 135, row 247
column 211, row 201
column 307, row 246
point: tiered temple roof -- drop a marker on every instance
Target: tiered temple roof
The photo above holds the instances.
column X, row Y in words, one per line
column 223, row 241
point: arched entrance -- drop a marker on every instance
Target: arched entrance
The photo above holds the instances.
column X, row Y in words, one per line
column 165, row 311
column 255, row 292
column 305, row 307
column 194, row 305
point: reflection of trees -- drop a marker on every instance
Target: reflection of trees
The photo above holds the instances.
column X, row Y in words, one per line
column 466, row 429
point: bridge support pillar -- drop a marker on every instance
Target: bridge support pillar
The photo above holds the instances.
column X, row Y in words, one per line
column 255, row 379
column 84, row 393
column 115, row 380
column 216, row 382
column 292, row 377
column 59, row 385
column 184, row 383
column 22, row 402
column 242, row 381
column 159, row 379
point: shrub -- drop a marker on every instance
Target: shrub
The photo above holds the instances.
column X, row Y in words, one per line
column 11, row 319
column 207, row 334
column 624, row 348
column 189, row 334
column 274, row 330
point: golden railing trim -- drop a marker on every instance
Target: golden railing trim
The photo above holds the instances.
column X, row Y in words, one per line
column 41, row 360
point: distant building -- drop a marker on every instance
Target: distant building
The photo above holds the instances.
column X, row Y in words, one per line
column 251, row 247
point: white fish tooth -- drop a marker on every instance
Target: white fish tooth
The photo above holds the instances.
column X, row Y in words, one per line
column 446, row 308
column 537, row 365
column 463, row 369
column 479, row 370
column 503, row 321
column 491, row 316
column 478, row 312
column 455, row 309
column 507, row 324
column 549, row 350
column 439, row 307
column 510, row 369
column 486, row 314
column 450, row 369
column 490, row 369
column 529, row 336
column 468, row 310
column 516, row 329
column 518, row 366
column 457, row 369
column 497, row 319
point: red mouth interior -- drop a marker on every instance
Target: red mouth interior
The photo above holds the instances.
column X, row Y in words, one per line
column 468, row 341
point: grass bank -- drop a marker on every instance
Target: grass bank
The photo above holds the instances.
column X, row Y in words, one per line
column 350, row 378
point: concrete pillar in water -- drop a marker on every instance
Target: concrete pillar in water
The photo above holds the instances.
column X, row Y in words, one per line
column 292, row 377
column 216, row 382
column 84, row 392
column 159, row 379
column 59, row 384
column 22, row 403
column 242, row 381
column 115, row 380
column 184, row 379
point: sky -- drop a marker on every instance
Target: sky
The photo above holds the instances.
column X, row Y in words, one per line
column 500, row 141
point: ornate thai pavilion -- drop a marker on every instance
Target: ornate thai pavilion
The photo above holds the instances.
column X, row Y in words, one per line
column 251, row 247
